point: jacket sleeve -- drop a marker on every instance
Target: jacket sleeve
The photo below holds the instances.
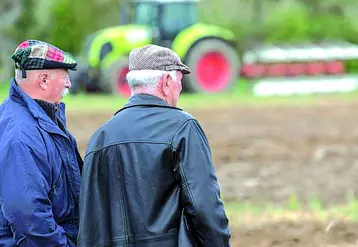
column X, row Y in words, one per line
column 100, row 200
column 200, row 192
column 24, row 198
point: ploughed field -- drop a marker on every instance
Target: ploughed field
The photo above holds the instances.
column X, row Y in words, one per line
column 270, row 155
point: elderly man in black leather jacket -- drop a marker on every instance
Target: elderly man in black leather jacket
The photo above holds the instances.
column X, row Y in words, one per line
column 148, row 177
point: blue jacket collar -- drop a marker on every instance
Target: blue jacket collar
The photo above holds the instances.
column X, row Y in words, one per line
column 19, row 96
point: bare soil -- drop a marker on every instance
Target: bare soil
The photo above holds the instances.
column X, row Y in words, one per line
column 265, row 154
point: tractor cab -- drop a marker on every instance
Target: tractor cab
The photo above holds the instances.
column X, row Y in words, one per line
column 166, row 17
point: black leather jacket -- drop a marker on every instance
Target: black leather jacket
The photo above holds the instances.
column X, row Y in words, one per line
column 148, row 180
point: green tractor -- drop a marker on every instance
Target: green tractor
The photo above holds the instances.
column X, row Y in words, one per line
column 209, row 50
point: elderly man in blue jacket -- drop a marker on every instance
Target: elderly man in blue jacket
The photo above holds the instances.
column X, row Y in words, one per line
column 39, row 160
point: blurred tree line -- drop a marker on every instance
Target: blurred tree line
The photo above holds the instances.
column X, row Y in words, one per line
column 66, row 23
column 286, row 21
column 62, row 22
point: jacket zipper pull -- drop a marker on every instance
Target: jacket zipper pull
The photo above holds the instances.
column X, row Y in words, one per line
column 54, row 190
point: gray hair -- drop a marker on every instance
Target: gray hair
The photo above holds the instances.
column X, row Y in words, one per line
column 18, row 75
column 146, row 78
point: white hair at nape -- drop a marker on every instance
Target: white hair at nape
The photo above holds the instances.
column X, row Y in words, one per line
column 146, row 78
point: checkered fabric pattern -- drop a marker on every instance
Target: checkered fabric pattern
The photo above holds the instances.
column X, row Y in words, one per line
column 35, row 54
column 154, row 57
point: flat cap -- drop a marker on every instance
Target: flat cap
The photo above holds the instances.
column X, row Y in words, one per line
column 154, row 57
column 35, row 54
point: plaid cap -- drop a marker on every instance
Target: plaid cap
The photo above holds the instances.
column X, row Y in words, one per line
column 154, row 57
column 35, row 54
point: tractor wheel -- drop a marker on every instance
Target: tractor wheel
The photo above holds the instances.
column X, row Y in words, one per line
column 113, row 79
column 215, row 67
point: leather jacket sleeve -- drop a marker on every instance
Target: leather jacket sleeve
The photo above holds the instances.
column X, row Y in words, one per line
column 200, row 192
column 100, row 201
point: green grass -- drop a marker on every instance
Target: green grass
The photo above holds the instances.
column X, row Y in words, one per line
column 248, row 213
column 239, row 97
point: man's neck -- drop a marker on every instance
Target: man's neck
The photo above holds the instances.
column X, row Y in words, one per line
column 152, row 92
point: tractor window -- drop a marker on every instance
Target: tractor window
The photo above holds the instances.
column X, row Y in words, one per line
column 176, row 17
column 106, row 48
column 146, row 14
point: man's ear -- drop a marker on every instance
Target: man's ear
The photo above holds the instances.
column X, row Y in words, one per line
column 166, row 80
column 44, row 81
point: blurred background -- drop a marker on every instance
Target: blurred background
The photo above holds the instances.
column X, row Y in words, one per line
column 274, row 85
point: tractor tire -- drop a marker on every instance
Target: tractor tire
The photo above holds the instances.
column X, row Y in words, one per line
column 214, row 65
column 113, row 78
